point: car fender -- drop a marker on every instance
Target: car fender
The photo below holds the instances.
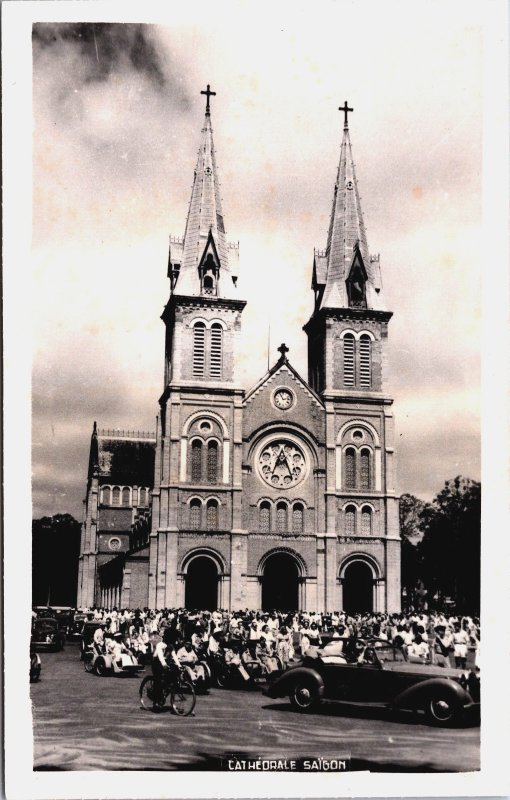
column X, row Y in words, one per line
column 283, row 684
column 414, row 696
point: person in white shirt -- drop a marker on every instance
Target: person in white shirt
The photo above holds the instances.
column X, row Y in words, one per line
column 98, row 641
column 189, row 660
column 460, row 644
column 418, row 650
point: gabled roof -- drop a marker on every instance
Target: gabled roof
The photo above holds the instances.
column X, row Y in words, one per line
column 123, row 457
column 282, row 364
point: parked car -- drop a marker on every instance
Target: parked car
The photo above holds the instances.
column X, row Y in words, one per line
column 76, row 626
column 46, row 634
column 378, row 673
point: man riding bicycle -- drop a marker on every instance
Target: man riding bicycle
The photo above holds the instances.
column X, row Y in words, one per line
column 164, row 662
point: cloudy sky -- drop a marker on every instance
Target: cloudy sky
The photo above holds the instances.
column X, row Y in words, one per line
column 117, row 114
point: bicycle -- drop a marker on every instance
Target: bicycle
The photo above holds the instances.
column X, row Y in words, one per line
column 180, row 689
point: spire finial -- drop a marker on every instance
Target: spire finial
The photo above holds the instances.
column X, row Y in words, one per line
column 283, row 349
column 209, row 94
column 345, row 108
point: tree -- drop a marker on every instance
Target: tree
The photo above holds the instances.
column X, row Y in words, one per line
column 450, row 548
column 411, row 509
column 55, row 552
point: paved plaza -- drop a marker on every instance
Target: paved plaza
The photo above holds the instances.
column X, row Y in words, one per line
column 83, row 722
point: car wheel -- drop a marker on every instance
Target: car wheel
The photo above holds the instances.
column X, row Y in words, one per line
column 88, row 662
column 100, row 667
column 221, row 680
column 441, row 709
column 304, row 695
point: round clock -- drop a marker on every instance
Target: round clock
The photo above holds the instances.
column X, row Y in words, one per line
column 281, row 464
column 283, row 399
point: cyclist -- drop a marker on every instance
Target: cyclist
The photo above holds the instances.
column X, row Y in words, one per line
column 164, row 661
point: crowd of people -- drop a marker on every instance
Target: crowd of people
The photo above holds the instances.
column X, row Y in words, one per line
column 247, row 645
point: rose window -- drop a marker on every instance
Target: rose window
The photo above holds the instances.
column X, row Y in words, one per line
column 281, row 464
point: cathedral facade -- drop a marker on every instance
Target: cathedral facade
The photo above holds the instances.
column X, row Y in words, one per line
column 279, row 497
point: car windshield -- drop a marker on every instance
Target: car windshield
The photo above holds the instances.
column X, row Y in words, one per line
column 43, row 626
column 386, row 652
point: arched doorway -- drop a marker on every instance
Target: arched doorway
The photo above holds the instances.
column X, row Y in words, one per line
column 201, row 584
column 358, row 588
column 280, row 583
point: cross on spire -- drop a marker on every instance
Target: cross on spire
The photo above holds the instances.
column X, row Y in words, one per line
column 283, row 349
column 345, row 108
column 209, row 94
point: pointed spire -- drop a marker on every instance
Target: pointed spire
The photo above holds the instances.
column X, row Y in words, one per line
column 347, row 239
column 205, row 221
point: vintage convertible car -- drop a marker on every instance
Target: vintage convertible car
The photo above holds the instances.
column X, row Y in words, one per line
column 46, row 634
column 377, row 673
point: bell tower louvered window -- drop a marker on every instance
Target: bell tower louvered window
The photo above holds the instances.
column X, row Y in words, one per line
column 216, row 351
column 126, row 498
column 281, row 518
column 365, row 469
column 297, row 518
column 365, row 362
column 264, row 517
column 196, row 461
column 350, row 521
column 199, row 350
column 212, row 462
column 116, row 496
column 212, row 515
column 349, row 360
column 195, row 508
column 366, row 521
column 350, row 468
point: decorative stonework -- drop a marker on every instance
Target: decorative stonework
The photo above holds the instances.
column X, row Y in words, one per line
column 281, row 464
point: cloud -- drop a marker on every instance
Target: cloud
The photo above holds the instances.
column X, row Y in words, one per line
column 117, row 116
column 104, row 49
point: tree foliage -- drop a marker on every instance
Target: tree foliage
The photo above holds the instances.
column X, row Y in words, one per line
column 441, row 547
column 55, row 552
column 450, row 549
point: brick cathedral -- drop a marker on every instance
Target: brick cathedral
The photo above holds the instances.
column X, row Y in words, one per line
column 281, row 496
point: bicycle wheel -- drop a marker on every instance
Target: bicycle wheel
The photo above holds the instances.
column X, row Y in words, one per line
column 148, row 694
column 182, row 698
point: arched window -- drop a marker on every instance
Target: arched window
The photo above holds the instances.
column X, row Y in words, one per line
column 116, row 496
column 195, row 508
column 216, row 350
column 212, row 462
column 143, row 497
column 366, row 520
column 106, row 495
column 198, row 350
column 350, row 468
column 196, row 461
column 281, row 518
column 265, row 517
column 365, row 469
column 212, row 515
column 126, row 496
column 350, row 521
column 297, row 518
column 348, row 359
column 365, row 362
